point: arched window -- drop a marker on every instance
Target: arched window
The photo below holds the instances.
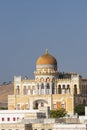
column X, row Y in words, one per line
column 24, row 90
column 17, row 90
column 42, row 79
column 84, row 102
column 38, row 86
column 42, row 104
column 59, row 89
column 31, row 92
column 47, row 88
column 68, row 89
column 17, row 87
column 53, row 88
column 63, row 86
column 63, row 89
column 75, row 89
column 42, row 88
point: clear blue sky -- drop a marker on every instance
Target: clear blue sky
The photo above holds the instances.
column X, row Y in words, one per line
column 28, row 27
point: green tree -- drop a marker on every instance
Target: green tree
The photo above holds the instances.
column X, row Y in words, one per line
column 58, row 113
column 80, row 109
column 3, row 108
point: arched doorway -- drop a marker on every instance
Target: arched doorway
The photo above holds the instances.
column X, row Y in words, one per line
column 40, row 103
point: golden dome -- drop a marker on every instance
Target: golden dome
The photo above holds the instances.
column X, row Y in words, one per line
column 46, row 59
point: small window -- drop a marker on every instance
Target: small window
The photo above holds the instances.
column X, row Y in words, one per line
column 24, row 90
column 28, row 87
column 17, row 118
column 17, row 87
column 3, row 119
column 17, row 90
column 54, row 106
column 68, row 85
column 26, row 106
column 63, row 106
column 33, row 87
column 59, row 89
column 14, row 119
column 37, row 86
column 18, row 106
column 48, row 86
column 75, row 89
column 42, row 104
column 42, row 86
column 63, row 86
column 31, row 91
column 8, row 119
column 53, row 88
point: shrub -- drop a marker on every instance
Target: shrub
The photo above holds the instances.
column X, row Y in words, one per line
column 58, row 113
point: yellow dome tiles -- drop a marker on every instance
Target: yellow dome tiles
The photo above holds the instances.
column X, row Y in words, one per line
column 46, row 59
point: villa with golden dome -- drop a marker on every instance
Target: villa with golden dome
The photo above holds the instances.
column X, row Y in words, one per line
column 50, row 88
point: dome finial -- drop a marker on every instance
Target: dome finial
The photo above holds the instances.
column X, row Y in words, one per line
column 46, row 51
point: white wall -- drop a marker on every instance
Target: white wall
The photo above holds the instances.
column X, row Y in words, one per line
column 17, row 114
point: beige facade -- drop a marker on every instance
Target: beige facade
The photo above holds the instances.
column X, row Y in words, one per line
column 17, row 126
column 59, row 126
column 50, row 88
column 47, row 125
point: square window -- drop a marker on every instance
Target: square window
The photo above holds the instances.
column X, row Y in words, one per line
column 2, row 118
column 14, row 119
column 8, row 119
column 42, row 104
